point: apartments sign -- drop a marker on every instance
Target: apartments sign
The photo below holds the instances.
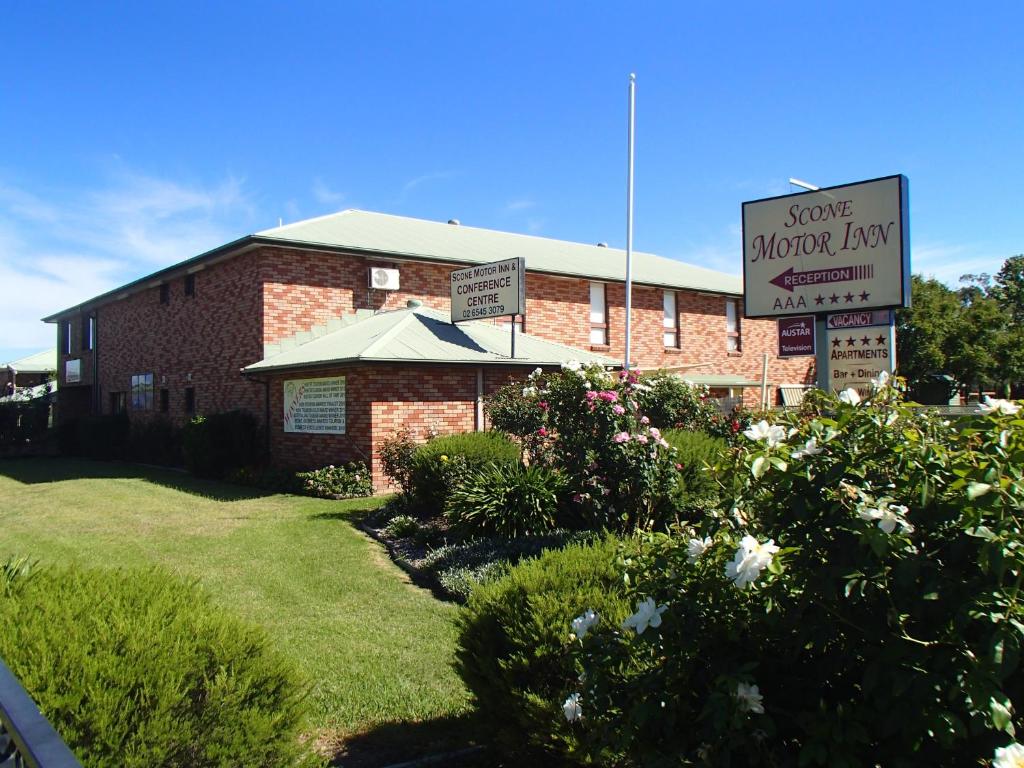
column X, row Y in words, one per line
column 497, row 289
column 839, row 249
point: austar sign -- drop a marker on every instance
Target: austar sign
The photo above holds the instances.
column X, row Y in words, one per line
column 838, row 249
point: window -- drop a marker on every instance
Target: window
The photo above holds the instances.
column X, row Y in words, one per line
column 118, row 402
column 88, row 333
column 190, row 286
column 65, row 341
column 670, row 323
column 732, row 326
column 598, row 315
column 165, row 401
column 142, row 392
column 165, row 294
column 190, row 401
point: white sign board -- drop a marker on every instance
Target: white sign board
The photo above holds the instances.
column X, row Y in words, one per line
column 489, row 290
column 315, row 405
column 856, row 355
column 840, row 249
column 72, row 371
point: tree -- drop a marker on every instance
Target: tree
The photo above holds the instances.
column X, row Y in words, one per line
column 924, row 330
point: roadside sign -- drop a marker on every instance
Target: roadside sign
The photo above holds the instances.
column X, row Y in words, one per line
column 489, row 290
column 859, row 319
column 838, row 249
column 796, row 336
column 858, row 354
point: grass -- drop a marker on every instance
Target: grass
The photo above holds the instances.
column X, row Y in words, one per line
column 376, row 649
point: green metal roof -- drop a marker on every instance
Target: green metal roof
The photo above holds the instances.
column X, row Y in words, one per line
column 39, row 362
column 721, row 380
column 421, row 335
column 421, row 239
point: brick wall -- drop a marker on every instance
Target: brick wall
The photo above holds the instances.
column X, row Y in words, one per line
column 200, row 342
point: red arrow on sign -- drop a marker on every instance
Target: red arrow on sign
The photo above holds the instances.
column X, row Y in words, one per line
column 791, row 279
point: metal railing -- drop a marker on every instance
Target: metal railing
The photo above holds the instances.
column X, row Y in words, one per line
column 27, row 740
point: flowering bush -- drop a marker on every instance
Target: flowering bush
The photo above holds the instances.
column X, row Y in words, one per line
column 396, row 456
column 670, row 402
column 856, row 605
column 333, row 482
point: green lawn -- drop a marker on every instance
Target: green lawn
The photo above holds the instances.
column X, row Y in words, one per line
column 375, row 648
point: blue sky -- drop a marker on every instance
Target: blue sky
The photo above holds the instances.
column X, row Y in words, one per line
column 135, row 135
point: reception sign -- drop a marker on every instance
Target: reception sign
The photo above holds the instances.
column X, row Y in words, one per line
column 315, row 405
column 840, row 249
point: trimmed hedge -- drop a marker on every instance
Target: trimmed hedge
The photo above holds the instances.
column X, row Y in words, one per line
column 139, row 669
column 439, row 464
column 217, row 444
column 514, row 648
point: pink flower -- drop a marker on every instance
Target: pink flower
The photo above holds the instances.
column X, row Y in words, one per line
column 591, row 395
column 618, row 410
column 655, row 432
column 542, row 405
column 679, row 466
column 577, row 498
column 621, row 437
column 645, row 421
column 543, row 432
column 608, row 396
column 641, row 439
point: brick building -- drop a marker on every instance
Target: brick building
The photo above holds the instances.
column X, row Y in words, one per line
column 229, row 328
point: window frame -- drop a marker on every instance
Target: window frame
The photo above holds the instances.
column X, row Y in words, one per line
column 734, row 330
column 141, row 392
column 190, row 285
column 165, row 293
column 88, row 333
column 673, row 328
column 65, row 342
column 190, row 401
column 118, row 403
column 165, row 400
column 599, row 325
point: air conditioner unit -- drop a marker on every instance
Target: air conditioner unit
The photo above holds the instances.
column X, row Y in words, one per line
column 384, row 279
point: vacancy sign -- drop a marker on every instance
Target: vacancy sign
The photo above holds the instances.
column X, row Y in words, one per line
column 796, row 336
column 489, row 290
column 840, row 249
column 860, row 347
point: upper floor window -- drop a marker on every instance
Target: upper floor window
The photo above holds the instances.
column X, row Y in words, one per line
column 190, row 285
column 598, row 315
column 165, row 293
column 65, row 337
column 670, row 323
column 88, row 333
column 732, row 326
column 142, row 392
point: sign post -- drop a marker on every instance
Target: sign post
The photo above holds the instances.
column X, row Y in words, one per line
column 841, row 250
column 497, row 289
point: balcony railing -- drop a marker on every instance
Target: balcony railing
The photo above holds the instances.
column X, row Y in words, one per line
column 27, row 740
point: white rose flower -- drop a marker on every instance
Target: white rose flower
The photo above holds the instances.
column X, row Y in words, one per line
column 696, row 547
column 999, row 407
column 749, row 698
column 887, row 515
column 582, row 624
column 850, row 396
column 772, row 435
column 572, row 365
column 880, row 381
column 572, row 708
column 1011, row 756
column 647, row 615
column 810, row 449
column 750, row 559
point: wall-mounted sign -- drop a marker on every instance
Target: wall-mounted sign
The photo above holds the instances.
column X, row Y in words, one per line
column 315, row 405
column 72, row 371
column 858, row 354
column 796, row 336
column 489, row 290
column 840, row 249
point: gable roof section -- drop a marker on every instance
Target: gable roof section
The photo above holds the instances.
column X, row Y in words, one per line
column 421, row 335
column 432, row 240
column 40, row 362
column 383, row 235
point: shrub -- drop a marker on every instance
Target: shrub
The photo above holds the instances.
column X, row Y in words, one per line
column 402, row 527
column 513, row 636
column 858, row 604
column 134, row 668
column 697, row 453
column 439, row 464
column 510, row 500
column 265, row 478
column 333, row 482
column 14, row 572
column 512, row 410
column 669, row 402
column 396, row 458
column 460, row 582
column 217, row 444
column 95, row 437
column 155, row 441
column 24, row 421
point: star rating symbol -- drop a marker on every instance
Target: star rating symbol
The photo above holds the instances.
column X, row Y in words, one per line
column 851, row 341
column 848, row 297
column 833, row 298
column 835, row 342
column 864, row 341
column 880, row 340
column 819, row 299
column 864, row 295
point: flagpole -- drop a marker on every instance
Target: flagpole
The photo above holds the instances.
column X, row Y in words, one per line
column 629, row 218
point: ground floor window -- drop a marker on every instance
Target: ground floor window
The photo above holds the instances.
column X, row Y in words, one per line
column 118, row 402
column 142, row 392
